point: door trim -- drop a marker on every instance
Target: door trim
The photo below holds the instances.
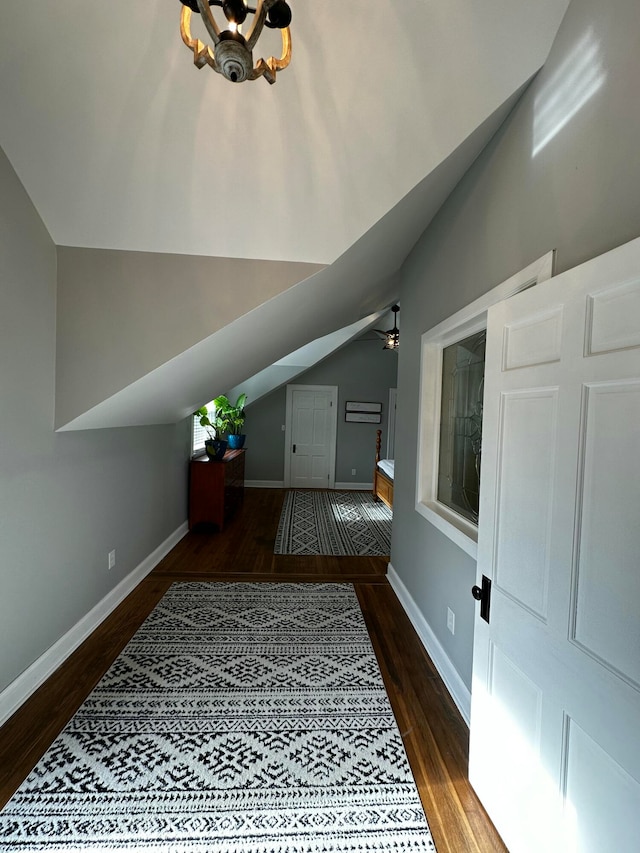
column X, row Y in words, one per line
column 391, row 423
column 333, row 422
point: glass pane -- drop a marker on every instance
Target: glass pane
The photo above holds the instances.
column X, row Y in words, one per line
column 461, row 425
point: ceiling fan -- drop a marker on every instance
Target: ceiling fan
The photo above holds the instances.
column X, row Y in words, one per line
column 392, row 336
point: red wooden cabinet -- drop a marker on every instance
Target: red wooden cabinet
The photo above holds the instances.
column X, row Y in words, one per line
column 216, row 488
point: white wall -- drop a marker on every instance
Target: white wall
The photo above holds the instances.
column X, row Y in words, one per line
column 66, row 500
column 579, row 193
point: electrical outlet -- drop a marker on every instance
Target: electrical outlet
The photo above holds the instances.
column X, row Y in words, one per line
column 451, row 620
column 112, row 558
column 353, row 472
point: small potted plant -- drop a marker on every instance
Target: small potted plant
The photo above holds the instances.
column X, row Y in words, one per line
column 215, row 447
column 230, row 419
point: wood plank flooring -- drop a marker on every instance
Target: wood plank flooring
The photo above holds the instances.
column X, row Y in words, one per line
column 435, row 736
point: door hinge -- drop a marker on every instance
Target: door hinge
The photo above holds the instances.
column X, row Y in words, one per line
column 294, row 448
column 483, row 595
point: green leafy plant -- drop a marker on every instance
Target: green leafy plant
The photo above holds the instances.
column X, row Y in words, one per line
column 229, row 418
column 211, row 426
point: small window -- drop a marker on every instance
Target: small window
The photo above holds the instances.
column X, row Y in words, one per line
column 461, row 425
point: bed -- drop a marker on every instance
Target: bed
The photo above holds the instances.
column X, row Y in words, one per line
column 382, row 476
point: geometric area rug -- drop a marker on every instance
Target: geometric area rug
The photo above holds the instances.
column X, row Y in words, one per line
column 240, row 718
column 333, row 524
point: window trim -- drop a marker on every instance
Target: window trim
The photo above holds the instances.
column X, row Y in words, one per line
column 467, row 321
column 198, row 449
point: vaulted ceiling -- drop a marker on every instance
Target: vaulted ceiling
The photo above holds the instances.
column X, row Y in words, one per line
column 122, row 144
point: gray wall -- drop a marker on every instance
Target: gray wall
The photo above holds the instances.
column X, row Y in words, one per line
column 66, row 500
column 579, row 194
column 121, row 315
column 265, row 437
column 362, row 371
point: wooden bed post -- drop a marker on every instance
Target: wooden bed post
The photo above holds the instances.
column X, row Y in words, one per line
column 382, row 484
column 375, row 466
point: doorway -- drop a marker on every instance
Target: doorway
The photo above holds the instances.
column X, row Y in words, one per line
column 310, row 436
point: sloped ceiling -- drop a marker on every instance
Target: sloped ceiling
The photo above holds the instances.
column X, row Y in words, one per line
column 123, row 144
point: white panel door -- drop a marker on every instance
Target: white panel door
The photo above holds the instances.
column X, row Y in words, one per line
column 555, row 712
column 311, row 440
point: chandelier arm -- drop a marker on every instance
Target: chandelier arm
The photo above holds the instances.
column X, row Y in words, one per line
column 264, row 68
column 209, row 21
column 202, row 53
column 285, row 59
column 260, row 16
column 185, row 28
column 269, row 67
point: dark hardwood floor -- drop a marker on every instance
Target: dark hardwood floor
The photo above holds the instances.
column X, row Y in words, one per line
column 435, row 736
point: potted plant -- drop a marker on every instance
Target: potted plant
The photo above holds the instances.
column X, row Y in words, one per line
column 215, row 447
column 230, row 418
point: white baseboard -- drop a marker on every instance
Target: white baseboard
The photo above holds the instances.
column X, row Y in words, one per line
column 34, row 676
column 360, row 487
column 459, row 691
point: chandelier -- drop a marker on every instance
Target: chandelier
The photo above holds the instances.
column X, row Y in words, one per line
column 232, row 52
column 391, row 336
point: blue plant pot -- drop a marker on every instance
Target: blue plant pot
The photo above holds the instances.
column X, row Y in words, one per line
column 215, row 448
column 235, row 441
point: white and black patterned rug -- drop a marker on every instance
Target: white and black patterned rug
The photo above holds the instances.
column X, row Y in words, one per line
column 241, row 718
column 333, row 524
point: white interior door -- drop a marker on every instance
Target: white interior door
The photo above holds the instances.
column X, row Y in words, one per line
column 555, row 751
column 311, row 436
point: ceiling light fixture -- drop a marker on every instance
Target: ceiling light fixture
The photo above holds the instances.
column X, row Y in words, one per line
column 232, row 52
column 392, row 336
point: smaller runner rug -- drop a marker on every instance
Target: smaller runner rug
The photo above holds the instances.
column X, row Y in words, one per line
column 241, row 718
column 334, row 524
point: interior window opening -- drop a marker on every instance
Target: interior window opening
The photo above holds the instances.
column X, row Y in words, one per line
column 461, row 425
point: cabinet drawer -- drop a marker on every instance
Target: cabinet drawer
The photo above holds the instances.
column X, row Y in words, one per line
column 216, row 489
